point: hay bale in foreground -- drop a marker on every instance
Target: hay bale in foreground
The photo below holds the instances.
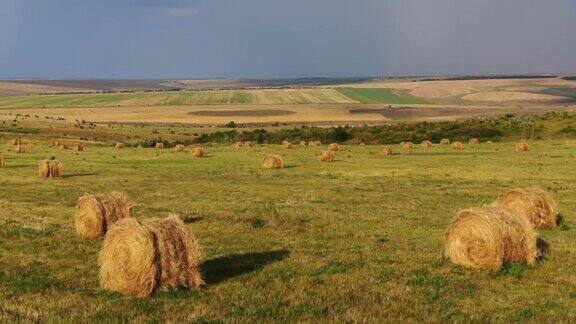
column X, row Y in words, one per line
column 334, row 147
column 314, row 143
column 522, row 146
column 50, row 168
column 95, row 214
column 408, row 145
column 179, row 148
column 272, row 161
column 120, row 145
column 128, row 259
column 327, row 156
column 426, row 144
column 78, row 147
column 538, row 206
column 197, row 152
column 20, row 149
column 385, row 151
column 487, row 237
column 286, row 144
column 457, row 146
column 473, row 141
column 444, row 141
column 159, row 145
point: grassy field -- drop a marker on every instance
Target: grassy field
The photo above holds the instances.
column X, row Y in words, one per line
column 379, row 96
column 358, row 239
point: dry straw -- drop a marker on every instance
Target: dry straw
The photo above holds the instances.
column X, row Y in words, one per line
column 327, row 156
column 95, row 214
column 314, row 143
column 286, row 144
column 179, row 148
column 408, row 145
column 247, row 144
column 473, row 141
column 426, row 144
column 237, row 145
column 445, row 141
column 197, row 152
column 1, row 162
column 522, row 146
column 20, row 149
column 160, row 145
column 272, row 161
column 120, row 145
column 334, row 147
column 63, row 147
column 303, row 143
column 50, row 168
column 457, row 146
column 15, row 142
column 385, row 151
column 487, row 237
column 78, row 147
column 538, row 206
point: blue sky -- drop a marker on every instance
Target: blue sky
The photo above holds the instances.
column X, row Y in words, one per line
column 282, row 39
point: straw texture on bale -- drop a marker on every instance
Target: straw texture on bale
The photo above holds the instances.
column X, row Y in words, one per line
column 522, row 146
column 120, row 146
column 128, row 259
column 50, row 168
column 334, row 147
column 457, row 146
column 160, row 145
column 20, row 149
column 179, row 148
column 327, row 156
column 95, row 214
column 273, row 161
column 386, row 151
column 538, row 206
column 314, row 143
column 445, row 141
column 197, row 152
column 408, row 145
column 286, row 144
column 78, row 147
column 473, row 141
column 487, row 237
column 426, row 144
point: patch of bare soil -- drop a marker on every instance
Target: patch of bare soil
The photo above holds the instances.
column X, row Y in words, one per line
column 243, row 113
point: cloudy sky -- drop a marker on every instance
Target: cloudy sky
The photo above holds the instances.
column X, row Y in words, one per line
column 281, row 39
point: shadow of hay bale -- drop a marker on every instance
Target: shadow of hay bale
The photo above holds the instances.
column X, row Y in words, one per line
column 223, row 268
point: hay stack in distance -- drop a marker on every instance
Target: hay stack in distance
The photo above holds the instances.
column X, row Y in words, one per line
column 314, row 143
column 303, row 143
column 237, row 144
column 385, row 151
column 1, row 162
column 120, row 145
column 334, row 147
column 426, row 144
column 473, row 141
column 95, row 214
column 20, row 149
column 179, row 148
column 247, row 144
column 63, row 147
column 487, row 237
column 15, row 142
column 457, row 146
column 197, row 152
column 489, row 142
column 159, row 145
column 522, row 146
column 273, row 161
column 327, row 156
column 78, row 147
column 50, row 168
column 538, row 206
column 408, row 145
column 445, row 141
column 286, row 144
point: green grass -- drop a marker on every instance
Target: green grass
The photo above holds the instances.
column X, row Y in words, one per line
column 355, row 240
column 379, row 96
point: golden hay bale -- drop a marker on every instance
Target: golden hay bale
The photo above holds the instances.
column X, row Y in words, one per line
column 286, row 144
column 128, row 259
column 15, row 142
column 120, row 145
column 78, row 147
column 179, row 148
column 426, row 144
column 247, row 144
column 63, row 147
column 327, row 156
column 445, row 141
column 314, row 143
column 385, row 151
column 95, row 214
column 522, row 146
column 237, row 145
column 159, row 145
column 50, row 168
column 457, row 146
column 178, row 254
column 303, row 143
column 538, row 206
column 20, row 149
column 334, row 147
column 473, row 141
column 487, row 237
column 408, row 145
column 197, row 152
column 273, row 161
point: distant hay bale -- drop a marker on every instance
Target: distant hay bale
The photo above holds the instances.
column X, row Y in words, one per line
column 237, row 145
column 457, row 146
column 327, row 156
column 408, row 145
column 15, row 142
column 50, row 168
column 2, row 162
column 334, row 147
column 197, row 152
column 445, row 141
column 179, row 148
column 128, row 259
column 78, row 147
column 95, row 214
column 385, row 151
column 522, row 146
column 63, row 146
column 272, row 161
column 426, row 144
column 20, row 149
column 487, row 237
column 286, row 144
column 120, row 145
column 314, row 143
column 303, row 143
column 473, row 141
column 179, row 254
column 159, row 145
column 489, row 142
column 538, row 206
column 247, row 144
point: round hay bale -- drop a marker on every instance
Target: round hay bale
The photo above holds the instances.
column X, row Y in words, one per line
column 15, row 142
column 314, row 143
column 286, row 144
column 63, row 147
column 179, row 148
column 50, row 168
column 120, row 145
column 78, row 147
column 538, row 206
column 444, row 141
column 457, row 146
column 197, row 152
column 385, row 151
column 247, row 144
column 159, row 145
column 522, row 146
column 128, row 259
column 303, row 143
column 408, row 145
column 487, row 237
column 334, row 147
column 20, row 149
column 272, row 161
column 237, row 145
column 327, row 156
column 473, row 141
column 178, row 254
column 426, row 144
column 96, row 213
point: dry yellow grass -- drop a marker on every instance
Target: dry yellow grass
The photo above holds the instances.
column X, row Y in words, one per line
column 96, row 213
column 1, row 161
column 487, row 237
column 20, row 149
column 327, row 156
column 50, row 168
column 538, row 206
column 273, row 161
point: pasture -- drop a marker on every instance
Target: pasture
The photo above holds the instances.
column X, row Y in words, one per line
column 357, row 239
